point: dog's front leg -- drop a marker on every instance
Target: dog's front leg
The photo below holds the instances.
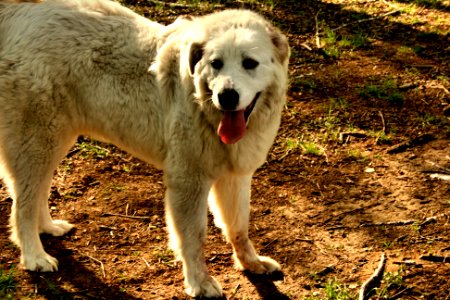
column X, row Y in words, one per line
column 186, row 212
column 230, row 203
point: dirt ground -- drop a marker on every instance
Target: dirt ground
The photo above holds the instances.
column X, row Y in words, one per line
column 360, row 167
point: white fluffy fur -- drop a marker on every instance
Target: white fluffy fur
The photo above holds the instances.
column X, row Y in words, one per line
column 94, row 67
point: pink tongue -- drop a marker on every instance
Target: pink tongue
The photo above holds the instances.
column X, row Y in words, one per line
column 232, row 127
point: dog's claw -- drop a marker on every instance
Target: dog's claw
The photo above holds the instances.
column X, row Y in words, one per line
column 208, row 288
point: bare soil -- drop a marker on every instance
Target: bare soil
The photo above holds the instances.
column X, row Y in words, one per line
column 376, row 182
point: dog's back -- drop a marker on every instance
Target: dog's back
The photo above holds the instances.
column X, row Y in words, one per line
column 72, row 60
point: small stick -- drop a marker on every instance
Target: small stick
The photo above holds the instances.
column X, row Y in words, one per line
column 427, row 221
column 442, row 259
column 125, row 216
column 304, row 45
column 346, row 134
column 368, row 19
column 236, row 288
column 401, row 223
column 393, row 223
column 399, row 293
column 101, row 264
column 407, row 263
column 373, row 280
column 146, row 262
column 438, row 166
column 305, row 240
column 272, row 241
column 317, row 35
column 382, row 121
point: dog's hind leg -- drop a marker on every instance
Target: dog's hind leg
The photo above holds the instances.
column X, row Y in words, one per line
column 186, row 213
column 30, row 159
column 230, row 203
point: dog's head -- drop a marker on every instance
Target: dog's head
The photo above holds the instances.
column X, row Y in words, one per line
column 234, row 60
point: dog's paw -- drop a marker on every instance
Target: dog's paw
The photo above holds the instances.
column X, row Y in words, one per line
column 56, row 227
column 208, row 288
column 40, row 263
column 262, row 265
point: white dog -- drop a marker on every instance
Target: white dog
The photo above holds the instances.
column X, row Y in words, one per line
column 200, row 98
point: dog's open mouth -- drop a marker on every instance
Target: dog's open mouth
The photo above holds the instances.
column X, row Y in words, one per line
column 234, row 123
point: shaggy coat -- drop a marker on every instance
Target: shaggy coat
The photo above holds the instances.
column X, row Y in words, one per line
column 200, row 99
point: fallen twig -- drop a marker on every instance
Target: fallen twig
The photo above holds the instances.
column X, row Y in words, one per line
column 340, row 227
column 420, row 140
column 443, row 169
column 430, row 220
column 368, row 19
column 317, row 35
column 391, row 223
column 445, row 249
column 433, row 258
column 407, row 86
column 306, row 46
column 343, row 136
column 269, row 243
column 101, row 264
column 146, row 262
column 374, row 280
column 305, row 240
column 400, row 293
column 382, row 120
column 236, row 289
column 407, row 263
column 427, row 221
column 440, row 176
column 125, row 216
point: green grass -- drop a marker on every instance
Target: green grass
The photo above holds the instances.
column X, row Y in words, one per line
column 88, row 148
column 386, row 90
column 7, row 284
column 357, row 155
column 381, row 137
column 387, row 245
column 335, row 45
column 427, row 119
column 305, row 84
column 307, row 147
column 392, row 282
column 333, row 290
column 338, row 103
column 164, row 256
column 311, row 148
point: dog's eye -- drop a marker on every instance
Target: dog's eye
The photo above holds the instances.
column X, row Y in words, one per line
column 217, row 64
column 249, row 63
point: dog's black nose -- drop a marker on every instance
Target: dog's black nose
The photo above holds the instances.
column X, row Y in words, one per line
column 228, row 99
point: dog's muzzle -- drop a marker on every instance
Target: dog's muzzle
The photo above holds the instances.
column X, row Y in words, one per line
column 233, row 125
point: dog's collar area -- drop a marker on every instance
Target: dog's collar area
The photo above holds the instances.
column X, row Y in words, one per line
column 250, row 108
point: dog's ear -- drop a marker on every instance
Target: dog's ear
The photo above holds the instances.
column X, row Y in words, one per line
column 280, row 42
column 195, row 55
